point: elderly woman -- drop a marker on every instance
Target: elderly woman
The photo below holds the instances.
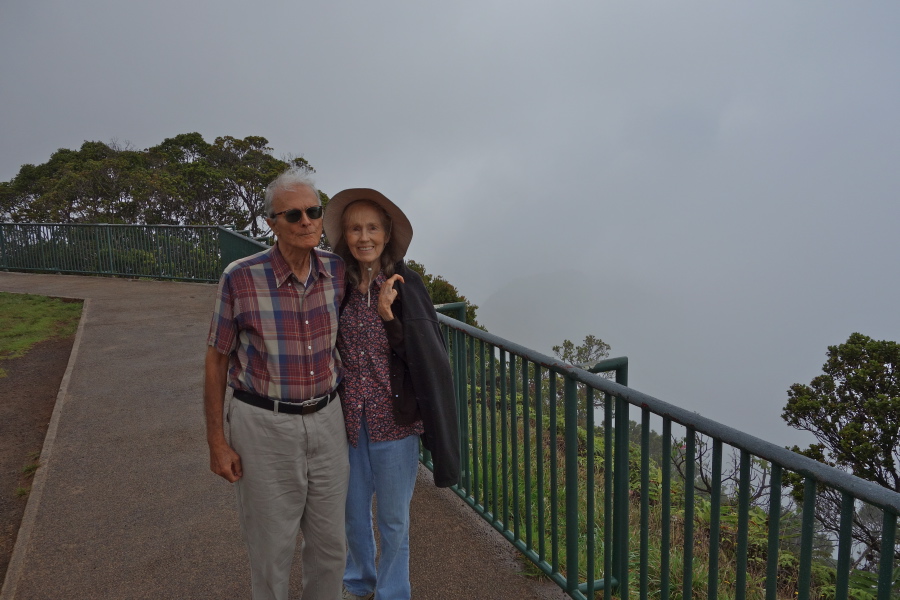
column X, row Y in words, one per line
column 397, row 386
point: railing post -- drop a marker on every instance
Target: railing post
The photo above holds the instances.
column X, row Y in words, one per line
column 457, row 310
column 617, row 569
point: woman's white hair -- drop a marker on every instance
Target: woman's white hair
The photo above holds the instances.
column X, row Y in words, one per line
column 289, row 180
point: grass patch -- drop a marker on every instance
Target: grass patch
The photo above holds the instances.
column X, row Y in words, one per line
column 21, row 492
column 26, row 320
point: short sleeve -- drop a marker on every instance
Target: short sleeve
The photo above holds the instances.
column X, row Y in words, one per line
column 222, row 330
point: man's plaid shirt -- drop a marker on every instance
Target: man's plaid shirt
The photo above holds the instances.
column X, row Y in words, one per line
column 279, row 332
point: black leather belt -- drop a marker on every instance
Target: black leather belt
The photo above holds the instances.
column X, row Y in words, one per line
column 278, row 406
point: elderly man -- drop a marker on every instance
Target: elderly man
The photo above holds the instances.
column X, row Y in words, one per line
column 272, row 339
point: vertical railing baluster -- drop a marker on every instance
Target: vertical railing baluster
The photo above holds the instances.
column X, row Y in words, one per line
column 478, row 453
column 554, row 475
column 468, row 448
column 743, row 526
column 514, row 431
column 3, row 256
column 645, row 503
column 885, row 567
column 462, row 385
column 526, row 442
column 539, row 460
column 109, row 247
column 690, row 464
column 845, row 544
column 504, row 440
column 774, row 532
column 807, row 533
column 715, row 516
column 495, row 495
column 608, row 536
column 621, row 497
column 590, row 515
column 570, row 408
column 666, row 509
column 96, row 229
column 170, row 258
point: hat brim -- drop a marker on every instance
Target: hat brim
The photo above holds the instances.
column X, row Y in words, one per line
column 401, row 228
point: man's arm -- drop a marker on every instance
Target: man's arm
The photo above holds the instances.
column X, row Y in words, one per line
column 223, row 460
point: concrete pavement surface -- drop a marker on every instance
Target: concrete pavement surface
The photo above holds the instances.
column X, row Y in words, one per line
column 124, row 505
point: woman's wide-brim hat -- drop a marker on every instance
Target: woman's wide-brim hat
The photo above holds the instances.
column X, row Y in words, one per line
column 401, row 228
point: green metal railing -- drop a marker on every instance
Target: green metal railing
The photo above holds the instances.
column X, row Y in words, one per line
column 571, row 491
column 580, row 501
column 155, row 251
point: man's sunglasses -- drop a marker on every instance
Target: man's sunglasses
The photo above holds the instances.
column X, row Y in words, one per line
column 295, row 214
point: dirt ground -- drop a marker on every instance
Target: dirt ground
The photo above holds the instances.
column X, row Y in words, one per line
column 27, row 397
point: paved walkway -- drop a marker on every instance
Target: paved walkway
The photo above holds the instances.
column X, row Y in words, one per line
column 125, row 506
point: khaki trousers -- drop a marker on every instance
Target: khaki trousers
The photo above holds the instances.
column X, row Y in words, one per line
column 295, row 472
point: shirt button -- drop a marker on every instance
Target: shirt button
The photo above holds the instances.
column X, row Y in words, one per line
column 312, row 372
column 307, row 322
column 359, row 406
column 309, row 347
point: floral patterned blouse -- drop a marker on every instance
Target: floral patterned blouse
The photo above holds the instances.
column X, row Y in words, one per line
column 365, row 353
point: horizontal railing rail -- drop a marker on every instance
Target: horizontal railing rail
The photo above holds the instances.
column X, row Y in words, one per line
column 534, row 466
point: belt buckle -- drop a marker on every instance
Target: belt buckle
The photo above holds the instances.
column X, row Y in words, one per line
column 312, row 401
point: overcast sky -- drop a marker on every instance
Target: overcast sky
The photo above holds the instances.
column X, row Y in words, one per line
column 711, row 188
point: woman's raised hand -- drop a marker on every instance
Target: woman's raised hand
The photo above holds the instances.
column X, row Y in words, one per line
column 387, row 296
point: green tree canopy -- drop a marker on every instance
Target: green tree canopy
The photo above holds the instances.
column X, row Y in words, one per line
column 182, row 181
column 585, row 355
column 853, row 410
column 444, row 292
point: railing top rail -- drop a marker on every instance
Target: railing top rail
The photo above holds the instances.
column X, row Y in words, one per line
column 861, row 489
column 111, row 225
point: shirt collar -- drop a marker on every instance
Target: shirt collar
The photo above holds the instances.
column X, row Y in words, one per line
column 283, row 272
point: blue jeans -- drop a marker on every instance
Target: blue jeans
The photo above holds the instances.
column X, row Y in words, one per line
column 387, row 470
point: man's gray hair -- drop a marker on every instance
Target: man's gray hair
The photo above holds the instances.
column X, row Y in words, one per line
column 289, row 180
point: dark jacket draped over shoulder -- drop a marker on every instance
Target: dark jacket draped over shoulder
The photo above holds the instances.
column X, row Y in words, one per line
column 421, row 379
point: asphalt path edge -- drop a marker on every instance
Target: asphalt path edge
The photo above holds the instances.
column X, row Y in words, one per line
column 20, row 549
